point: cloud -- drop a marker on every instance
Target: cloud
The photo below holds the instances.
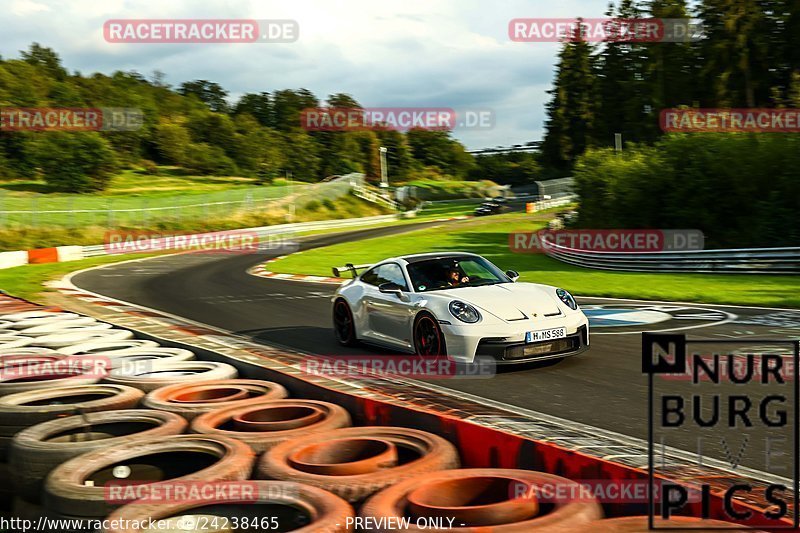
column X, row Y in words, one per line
column 416, row 53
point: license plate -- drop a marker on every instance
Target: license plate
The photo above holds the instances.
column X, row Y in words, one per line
column 545, row 334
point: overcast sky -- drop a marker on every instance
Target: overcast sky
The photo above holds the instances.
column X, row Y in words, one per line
column 418, row 53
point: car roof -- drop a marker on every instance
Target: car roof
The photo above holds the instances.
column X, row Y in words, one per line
column 416, row 258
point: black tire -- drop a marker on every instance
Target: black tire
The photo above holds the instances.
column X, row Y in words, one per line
column 343, row 323
column 36, row 451
column 428, row 337
column 66, row 492
column 6, row 492
column 24, row 409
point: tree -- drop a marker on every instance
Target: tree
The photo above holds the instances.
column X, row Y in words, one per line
column 398, row 156
column 624, row 104
column 301, row 157
column 45, row 58
column 172, row 142
column 259, row 106
column 75, row 161
column 738, row 52
column 209, row 92
column 571, row 110
column 287, row 105
column 671, row 67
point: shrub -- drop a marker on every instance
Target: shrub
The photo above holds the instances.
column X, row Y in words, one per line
column 75, row 161
column 740, row 190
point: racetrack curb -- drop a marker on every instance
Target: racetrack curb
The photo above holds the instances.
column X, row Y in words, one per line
column 262, row 272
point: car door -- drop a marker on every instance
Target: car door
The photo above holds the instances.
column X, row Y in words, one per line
column 388, row 314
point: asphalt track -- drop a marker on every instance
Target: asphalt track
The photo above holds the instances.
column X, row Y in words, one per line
column 603, row 387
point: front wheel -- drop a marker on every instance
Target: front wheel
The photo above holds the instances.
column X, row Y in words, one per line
column 343, row 323
column 428, row 337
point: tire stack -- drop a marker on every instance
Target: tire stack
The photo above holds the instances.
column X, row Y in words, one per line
column 87, row 447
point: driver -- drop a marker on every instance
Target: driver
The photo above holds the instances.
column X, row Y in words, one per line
column 456, row 277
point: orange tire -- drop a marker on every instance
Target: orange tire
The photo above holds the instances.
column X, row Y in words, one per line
column 324, row 512
column 200, row 397
column 221, row 422
column 392, row 503
column 424, row 452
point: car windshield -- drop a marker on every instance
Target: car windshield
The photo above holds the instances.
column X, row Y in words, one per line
column 454, row 272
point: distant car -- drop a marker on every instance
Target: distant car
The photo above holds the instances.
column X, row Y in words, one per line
column 459, row 305
column 490, row 207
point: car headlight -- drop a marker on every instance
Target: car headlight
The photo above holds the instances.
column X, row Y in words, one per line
column 567, row 298
column 464, row 312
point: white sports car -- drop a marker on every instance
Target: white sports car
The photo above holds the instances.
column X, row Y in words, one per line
column 459, row 305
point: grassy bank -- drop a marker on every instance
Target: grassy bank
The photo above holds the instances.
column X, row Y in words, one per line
column 168, row 200
column 26, row 237
column 489, row 237
column 27, row 281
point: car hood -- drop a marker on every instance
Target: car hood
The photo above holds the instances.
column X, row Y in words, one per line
column 510, row 301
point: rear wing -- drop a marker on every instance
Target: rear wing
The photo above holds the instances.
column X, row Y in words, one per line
column 349, row 267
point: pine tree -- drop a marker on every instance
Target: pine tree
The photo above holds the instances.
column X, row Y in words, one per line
column 571, row 110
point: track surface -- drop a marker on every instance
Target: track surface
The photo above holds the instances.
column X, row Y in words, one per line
column 603, row 387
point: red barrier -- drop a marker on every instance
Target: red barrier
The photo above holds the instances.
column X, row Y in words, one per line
column 43, row 255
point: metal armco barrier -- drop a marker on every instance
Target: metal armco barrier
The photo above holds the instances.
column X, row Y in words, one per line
column 733, row 261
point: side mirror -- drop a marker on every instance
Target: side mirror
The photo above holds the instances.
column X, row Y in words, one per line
column 390, row 288
column 513, row 274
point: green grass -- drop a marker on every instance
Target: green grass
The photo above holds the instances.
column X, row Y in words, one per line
column 26, row 281
column 489, row 237
column 135, row 198
column 346, row 206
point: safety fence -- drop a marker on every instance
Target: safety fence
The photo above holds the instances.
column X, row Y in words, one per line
column 118, row 211
column 60, row 254
column 734, row 261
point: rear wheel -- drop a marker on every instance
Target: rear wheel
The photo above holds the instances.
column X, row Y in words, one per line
column 428, row 337
column 343, row 323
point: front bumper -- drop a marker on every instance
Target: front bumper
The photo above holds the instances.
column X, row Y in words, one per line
column 505, row 343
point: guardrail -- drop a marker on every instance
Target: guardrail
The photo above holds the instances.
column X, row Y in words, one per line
column 361, row 191
column 733, row 261
column 559, row 201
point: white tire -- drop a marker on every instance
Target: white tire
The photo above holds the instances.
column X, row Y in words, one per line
column 14, row 341
column 40, row 321
column 141, row 361
column 60, row 327
column 27, row 350
column 158, row 374
column 61, row 340
column 107, row 346
column 16, row 317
